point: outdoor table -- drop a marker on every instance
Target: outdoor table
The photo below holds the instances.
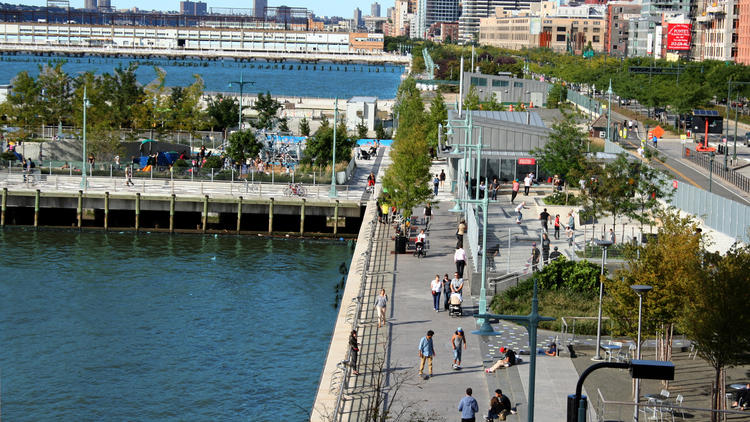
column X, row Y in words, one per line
column 610, row 348
column 742, row 386
column 658, row 401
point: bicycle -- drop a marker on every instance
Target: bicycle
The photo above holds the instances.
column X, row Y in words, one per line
column 295, row 189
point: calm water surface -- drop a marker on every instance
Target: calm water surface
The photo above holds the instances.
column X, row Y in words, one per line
column 153, row 327
column 379, row 81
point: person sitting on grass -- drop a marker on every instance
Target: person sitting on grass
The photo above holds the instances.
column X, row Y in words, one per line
column 507, row 362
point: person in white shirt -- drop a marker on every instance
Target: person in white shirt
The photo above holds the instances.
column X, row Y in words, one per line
column 421, row 237
column 460, row 258
column 527, row 181
column 437, row 288
column 457, row 285
column 519, row 211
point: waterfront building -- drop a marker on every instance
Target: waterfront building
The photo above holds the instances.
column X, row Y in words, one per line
column 442, row 11
column 375, row 9
column 37, row 36
column 474, row 10
column 619, row 14
column 259, row 8
column 361, row 110
column 563, row 28
column 507, row 89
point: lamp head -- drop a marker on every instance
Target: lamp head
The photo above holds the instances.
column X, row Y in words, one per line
column 641, row 288
column 603, row 243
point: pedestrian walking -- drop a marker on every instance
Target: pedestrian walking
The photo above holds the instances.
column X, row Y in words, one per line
column 544, row 218
column 555, row 254
column 569, row 234
column 527, row 181
column 354, row 348
column 468, row 407
column 494, row 187
column 557, row 226
column 457, row 341
column 427, row 214
column 436, row 286
column 519, row 211
column 129, row 176
column 460, row 259
column 380, row 304
column 534, row 258
column 446, row 291
column 514, row 189
column 612, row 236
column 435, row 184
column 571, row 221
column 426, row 352
column 442, row 178
column 457, row 284
column 545, row 248
column 460, row 231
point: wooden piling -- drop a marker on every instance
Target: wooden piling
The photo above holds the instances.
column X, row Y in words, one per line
column 205, row 213
column 36, row 208
column 171, row 213
column 3, row 207
column 239, row 213
column 106, row 211
column 79, row 209
column 302, row 217
column 336, row 217
column 137, row 211
column 270, row 216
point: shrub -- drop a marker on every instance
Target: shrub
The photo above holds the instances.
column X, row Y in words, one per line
column 8, row 156
column 181, row 164
column 580, row 277
column 558, row 198
column 213, row 162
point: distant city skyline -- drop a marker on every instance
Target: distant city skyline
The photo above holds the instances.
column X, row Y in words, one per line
column 319, row 7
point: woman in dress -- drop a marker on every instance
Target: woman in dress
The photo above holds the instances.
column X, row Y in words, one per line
column 380, row 303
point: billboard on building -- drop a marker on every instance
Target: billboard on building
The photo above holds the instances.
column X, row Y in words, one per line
column 678, row 36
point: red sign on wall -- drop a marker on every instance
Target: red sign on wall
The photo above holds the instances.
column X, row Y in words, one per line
column 526, row 161
column 678, row 36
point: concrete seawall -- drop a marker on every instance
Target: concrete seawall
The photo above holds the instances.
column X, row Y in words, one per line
column 332, row 378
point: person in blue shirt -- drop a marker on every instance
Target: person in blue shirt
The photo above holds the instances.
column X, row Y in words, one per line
column 468, row 407
column 426, row 352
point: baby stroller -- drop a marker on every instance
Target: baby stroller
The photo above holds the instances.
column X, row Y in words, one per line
column 419, row 249
column 363, row 154
column 454, row 308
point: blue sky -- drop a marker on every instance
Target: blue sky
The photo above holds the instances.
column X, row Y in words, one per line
column 320, row 7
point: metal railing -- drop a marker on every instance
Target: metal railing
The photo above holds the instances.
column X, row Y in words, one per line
column 717, row 167
column 568, row 326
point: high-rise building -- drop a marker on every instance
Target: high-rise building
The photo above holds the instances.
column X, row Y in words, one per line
column 419, row 26
column 104, row 4
column 400, row 20
column 259, row 8
column 743, row 33
column 193, row 8
column 714, row 31
column 442, row 11
column 90, row 5
column 473, row 10
column 619, row 14
column 375, row 9
column 357, row 19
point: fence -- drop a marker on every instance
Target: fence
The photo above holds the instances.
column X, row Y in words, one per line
column 719, row 213
column 593, row 106
column 718, row 169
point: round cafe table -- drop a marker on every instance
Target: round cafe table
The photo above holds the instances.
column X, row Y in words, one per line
column 738, row 386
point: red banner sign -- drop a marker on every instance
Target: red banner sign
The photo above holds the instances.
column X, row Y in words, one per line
column 526, row 161
column 678, row 36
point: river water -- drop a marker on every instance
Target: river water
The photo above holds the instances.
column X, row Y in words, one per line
column 155, row 327
column 296, row 79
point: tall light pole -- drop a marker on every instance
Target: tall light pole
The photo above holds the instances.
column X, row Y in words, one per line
column 604, row 245
column 242, row 84
column 609, row 109
column 333, row 194
column 84, row 182
column 640, row 290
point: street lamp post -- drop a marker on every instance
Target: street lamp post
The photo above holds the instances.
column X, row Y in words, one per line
column 604, row 245
column 730, row 82
column 711, row 170
column 609, row 110
column 242, row 84
column 332, row 193
column 84, row 182
column 640, row 290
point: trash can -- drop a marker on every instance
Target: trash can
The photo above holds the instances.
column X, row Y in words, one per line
column 572, row 413
column 400, row 244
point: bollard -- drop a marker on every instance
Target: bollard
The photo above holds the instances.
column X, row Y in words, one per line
column 270, row 216
column 171, row 213
column 79, row 210
column 3, row 206
column 302, row 217
column 336, row 217
column 239, row 213
column 36, row 208
column 205, row 213
column 106, row 211
column 212, row 175
column 137, row 211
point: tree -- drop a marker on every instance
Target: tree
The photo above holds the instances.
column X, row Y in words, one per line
column 558, row 94
column 716, row 313
column 564, row 152
column 649, row 188
column 320, row 145
column 362, row 130
column 243, row 145
column 493, row 104
column 57, row 93
column 304, row 127
column 471, row 102
column 614, row 189
column 222, row 111
column 438, row 116
column 671, row 263
column 379, row 131
column 267, row 109
column 22, row 108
